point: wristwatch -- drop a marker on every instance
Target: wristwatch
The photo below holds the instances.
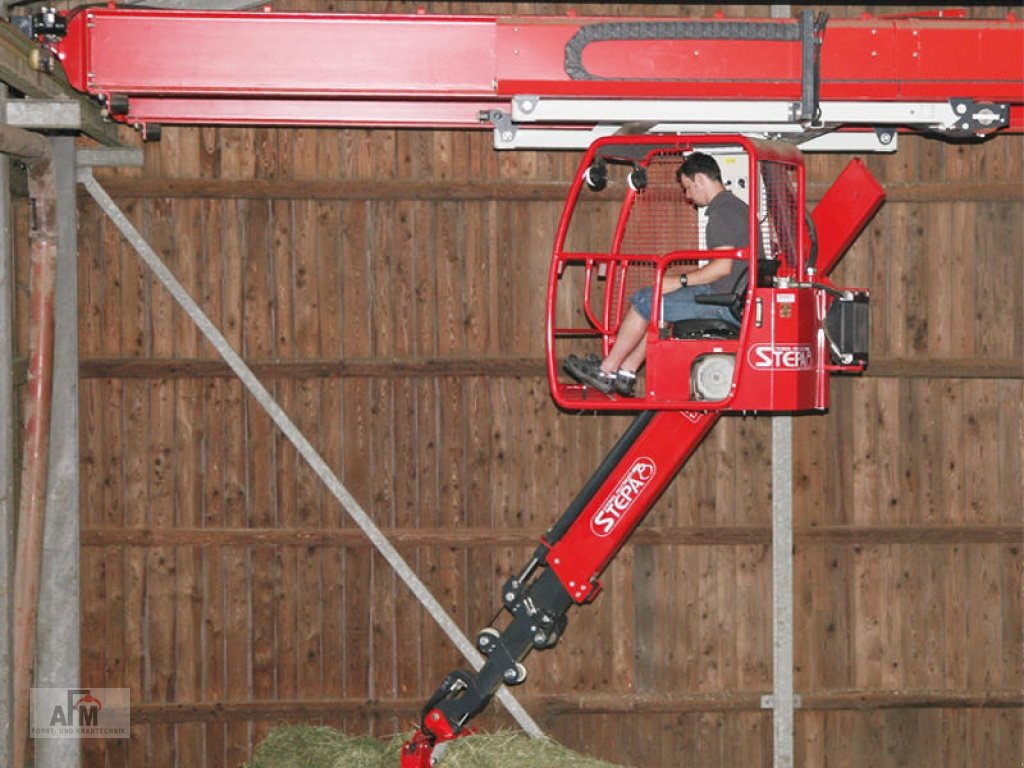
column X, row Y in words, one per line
column 683, row 282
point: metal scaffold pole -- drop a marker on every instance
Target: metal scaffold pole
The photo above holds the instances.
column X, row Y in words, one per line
column 782, row 591
column 7, row 502
column 782, row 570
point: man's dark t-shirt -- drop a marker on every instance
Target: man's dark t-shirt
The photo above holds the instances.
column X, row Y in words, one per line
column 728, row 226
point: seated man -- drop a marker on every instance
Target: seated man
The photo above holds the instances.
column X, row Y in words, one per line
column 727, row 229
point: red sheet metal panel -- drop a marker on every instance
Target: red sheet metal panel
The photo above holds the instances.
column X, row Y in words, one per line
column 870, row 59
column 923, row 59
column 116, row 50
column 531, row 58
column 843, row 211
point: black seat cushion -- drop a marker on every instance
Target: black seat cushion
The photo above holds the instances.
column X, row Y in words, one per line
column 704, row 329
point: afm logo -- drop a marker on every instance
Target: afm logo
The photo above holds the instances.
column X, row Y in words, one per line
column 62, row 713
column 81, row 702
column 621, row 499
column 784, row 357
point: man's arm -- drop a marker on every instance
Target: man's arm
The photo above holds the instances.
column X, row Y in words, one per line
column 709, row 273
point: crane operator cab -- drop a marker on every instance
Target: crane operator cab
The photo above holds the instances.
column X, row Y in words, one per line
column 772, row 332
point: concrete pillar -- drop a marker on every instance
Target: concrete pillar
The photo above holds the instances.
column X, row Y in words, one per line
column 58, row 653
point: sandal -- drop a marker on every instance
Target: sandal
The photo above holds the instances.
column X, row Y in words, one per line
column 588, row 371
column 625, row 382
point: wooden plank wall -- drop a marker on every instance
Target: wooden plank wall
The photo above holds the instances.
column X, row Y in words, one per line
column 388, row 286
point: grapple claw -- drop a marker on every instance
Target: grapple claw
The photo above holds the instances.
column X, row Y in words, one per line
column 427, row 746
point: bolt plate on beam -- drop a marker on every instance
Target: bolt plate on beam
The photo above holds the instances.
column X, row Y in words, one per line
column 768, row 701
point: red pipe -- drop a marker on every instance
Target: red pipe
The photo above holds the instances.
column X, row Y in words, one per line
column 36, row 444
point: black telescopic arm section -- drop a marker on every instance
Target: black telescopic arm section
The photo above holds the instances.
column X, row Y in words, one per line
column 538, row 619
column 538, row 604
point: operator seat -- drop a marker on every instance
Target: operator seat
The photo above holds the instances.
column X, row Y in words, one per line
column 706, row 328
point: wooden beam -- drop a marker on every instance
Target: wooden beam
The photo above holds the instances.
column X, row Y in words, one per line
column 528, row 537
column 525, row 367
column 913, row 699
column 942, row 193
column 128, row 368
column 945, row 368
column 909, row 534
column 592, row 703
column 443, row 189
column 612, row 703
column 16, row 69
column 355, row 189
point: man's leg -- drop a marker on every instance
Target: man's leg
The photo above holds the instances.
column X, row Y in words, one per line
column 617, row 372
column 682, row 305
column 630, row 347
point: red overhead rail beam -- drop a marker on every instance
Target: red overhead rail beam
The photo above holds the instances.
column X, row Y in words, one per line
column 344, row 69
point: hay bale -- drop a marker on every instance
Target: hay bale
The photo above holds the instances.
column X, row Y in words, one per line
column 302, row 746
column 514, row 750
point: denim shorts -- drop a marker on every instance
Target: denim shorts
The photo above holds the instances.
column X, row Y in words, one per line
column 680, row 305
